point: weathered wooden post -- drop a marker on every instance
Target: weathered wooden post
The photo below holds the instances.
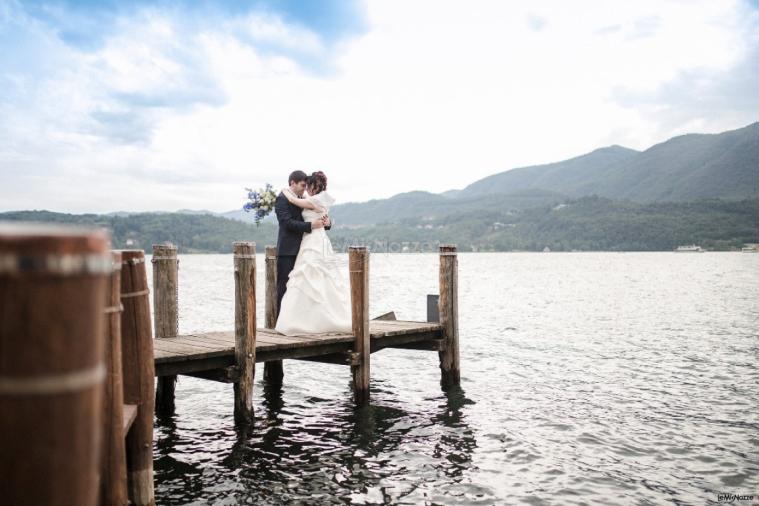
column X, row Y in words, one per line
column 113, row 481
column 273, row 370
column 245, row 328
column 53, row 283
column 448, row 309
column 139, row 372
column 358, row 264
column 165, row 307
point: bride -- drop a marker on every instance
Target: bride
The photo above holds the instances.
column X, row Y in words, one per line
column 316, row 299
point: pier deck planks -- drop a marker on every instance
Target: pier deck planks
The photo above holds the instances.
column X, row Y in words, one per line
column 212, row 350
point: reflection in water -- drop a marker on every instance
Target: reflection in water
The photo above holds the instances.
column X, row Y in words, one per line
column 337, row 452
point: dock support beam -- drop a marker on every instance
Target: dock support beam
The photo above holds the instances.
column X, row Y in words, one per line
column 52, row 295
column 245, row 328
column 358, row 262
column 113, row 478
column 165, row 304
column 448, row 307
column 273, row 371
column 139, row 371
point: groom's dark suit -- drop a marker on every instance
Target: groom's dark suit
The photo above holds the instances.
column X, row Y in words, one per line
column 291, row 230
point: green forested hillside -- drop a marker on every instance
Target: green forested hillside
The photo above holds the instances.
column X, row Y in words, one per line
column 427, row 206
column 191, row 232
column 589, row 223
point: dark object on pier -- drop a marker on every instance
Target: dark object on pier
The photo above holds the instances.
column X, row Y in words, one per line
column 433, row 309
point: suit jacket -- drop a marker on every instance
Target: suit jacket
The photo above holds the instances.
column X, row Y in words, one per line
column 291, row 226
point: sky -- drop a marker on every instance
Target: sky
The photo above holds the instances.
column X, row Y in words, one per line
column 143, row 106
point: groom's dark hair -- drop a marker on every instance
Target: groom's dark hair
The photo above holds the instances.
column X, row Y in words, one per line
column 297, row 176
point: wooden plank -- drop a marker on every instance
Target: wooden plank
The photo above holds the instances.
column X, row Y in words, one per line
column 295, row 353
column 228, row 374
column 129, row 414
column 183, row 348
column 343, row 358
column 169, row 368
column 202, row 342
column 391, row 341
column 430, row 345
column 201, row 347
column 390, row 316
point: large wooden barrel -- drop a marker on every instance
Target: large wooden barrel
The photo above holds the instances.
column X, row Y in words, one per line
column 52, row 296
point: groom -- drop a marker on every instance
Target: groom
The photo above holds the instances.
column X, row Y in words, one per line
column 291, row 230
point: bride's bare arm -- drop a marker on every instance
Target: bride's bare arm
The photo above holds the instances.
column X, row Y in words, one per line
column 302, row 203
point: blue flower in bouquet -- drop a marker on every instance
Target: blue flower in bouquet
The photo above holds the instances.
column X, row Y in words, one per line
column 260, row 202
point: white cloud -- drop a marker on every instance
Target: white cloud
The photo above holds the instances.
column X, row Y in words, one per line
column 435, row 95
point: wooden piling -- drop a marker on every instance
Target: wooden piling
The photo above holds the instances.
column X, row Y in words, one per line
column 53, row 284
column 358, row 261
column 245, row 328
column 139, row 371
column 273, row 370
column 165, row 307
column 448, row 310
column 113, row 478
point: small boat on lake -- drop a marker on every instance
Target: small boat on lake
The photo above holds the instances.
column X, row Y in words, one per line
column 692, row 248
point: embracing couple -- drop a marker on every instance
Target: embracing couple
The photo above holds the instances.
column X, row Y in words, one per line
column 312, row 296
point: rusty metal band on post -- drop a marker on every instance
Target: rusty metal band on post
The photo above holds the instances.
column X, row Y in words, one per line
column 59, row 265
column 114, row 309
column 156, row 259
column 54, row 383
column 134, row 294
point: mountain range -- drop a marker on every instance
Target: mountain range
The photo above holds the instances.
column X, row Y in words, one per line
column 683, row 168
column 694, row 188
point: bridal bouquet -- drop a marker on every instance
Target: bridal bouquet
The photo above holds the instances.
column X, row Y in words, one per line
column 261, row 201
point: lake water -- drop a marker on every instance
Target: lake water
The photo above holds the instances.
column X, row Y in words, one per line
column 587, row 378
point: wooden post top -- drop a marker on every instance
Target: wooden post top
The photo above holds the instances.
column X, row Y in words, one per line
column 165, row 249
column 53, row 250
column 447, row 248
column 244, row 247
column 25, row 238
column 134, row 256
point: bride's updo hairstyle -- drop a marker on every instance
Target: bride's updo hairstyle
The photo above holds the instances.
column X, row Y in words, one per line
column 316, row 182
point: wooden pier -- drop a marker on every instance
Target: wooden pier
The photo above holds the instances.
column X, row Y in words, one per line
column 101, row 378
column 217, row 355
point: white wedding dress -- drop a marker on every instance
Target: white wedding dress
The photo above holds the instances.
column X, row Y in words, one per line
column 317, row 299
